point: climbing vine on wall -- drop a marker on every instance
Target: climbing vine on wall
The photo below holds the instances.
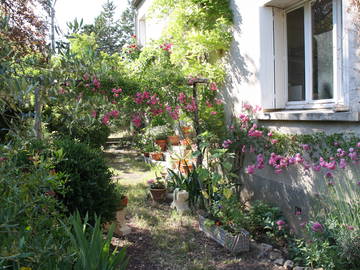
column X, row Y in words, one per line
column 200, row 34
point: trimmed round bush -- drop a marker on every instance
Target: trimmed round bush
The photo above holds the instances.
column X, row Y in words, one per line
column 89, row 186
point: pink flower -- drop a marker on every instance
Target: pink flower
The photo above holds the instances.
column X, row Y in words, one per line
column 115, row 113
column 93, row 114
column 305, row 147
column 270, row 134
column 247, row 107
column 317, row 168
column 227, row 143
column 218, row 101
column 182, row 98
column 358, row 144
column 151, row 181
column 350, row 228
column 208, row 104
column 342, row 163
column 213, row 86
column 136, row 120
column 213, row 113
column 106, row 119
column 116, row 95
column 317, row 227
column 250, row 169
column 274, row 141
column 96, row 82
column 329, row 175
column 243, row 149
column 280, row 222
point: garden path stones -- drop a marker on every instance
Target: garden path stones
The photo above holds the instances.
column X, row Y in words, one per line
column 289, row 264
column 275, row 254
column 279, row 261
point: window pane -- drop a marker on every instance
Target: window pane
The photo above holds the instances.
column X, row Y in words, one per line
column 322, row 40
column 296, row 54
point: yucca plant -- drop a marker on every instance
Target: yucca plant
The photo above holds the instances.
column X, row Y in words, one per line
column 91, row 248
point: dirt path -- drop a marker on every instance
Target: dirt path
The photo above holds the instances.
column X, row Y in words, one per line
column 161, row 238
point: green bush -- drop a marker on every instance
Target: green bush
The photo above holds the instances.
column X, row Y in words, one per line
column 30, row 232
column 89, row 186
column 87, row 130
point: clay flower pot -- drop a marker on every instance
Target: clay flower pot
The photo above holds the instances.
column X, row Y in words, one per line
column 146, row 154
column 186, row 129
column 162, row 144
column 186, row 168
column 157, row 156
column 186, row 142
column 174, row 140
column 158, row 195
column 123, row 202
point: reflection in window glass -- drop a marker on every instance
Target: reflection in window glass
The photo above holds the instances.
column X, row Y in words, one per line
column 296, row 55
column 322, row 52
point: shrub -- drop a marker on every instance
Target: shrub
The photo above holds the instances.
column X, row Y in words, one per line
column 30, row 232
column 90, row 189
column 87, row 130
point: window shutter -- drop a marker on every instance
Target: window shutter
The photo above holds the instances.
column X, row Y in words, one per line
column 280, row 65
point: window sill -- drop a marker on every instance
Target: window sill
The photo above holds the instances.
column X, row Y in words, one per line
column 310, row 115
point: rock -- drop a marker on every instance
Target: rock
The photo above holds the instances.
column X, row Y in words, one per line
column 275, row 254
column 319, row 268
column 279, row 261
column 264, row 249
column 289, row 264
column 298, row 268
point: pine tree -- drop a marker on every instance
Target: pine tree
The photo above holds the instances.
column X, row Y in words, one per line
column 111, row 34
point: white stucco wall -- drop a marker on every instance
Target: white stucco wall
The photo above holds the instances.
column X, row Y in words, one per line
column 153, row 27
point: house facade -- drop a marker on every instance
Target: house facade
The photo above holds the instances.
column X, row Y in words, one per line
column 299, row 60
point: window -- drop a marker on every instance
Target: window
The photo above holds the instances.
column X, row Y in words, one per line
column 313, row 49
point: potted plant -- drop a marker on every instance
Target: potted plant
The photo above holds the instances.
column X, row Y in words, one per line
column 173, row 139
column 147, row 148
column 161, row 140
column 186, row 130
column 157, row 189
column 157, row 154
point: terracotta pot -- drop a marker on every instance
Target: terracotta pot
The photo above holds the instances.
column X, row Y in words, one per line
column 162, row 144
column 123, row 202
column 186, row 129
column 146, row 154
column 174, row 140
column 157, row 156
column 158, row 195
column 185, row 142
column 186, row 168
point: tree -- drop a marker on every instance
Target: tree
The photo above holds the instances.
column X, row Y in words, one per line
column 110, row 34
column 21, row 26
column 127, row 25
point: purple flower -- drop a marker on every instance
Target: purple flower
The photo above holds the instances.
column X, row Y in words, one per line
column 331, row 183
column 358, row 144
column 317, row 227
column 227, row 143
column 350, row 228
column 329, row 175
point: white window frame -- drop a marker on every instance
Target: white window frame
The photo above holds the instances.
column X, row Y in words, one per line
column 338, row 93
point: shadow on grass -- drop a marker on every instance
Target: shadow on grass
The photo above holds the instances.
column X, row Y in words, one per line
column 126, row 162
